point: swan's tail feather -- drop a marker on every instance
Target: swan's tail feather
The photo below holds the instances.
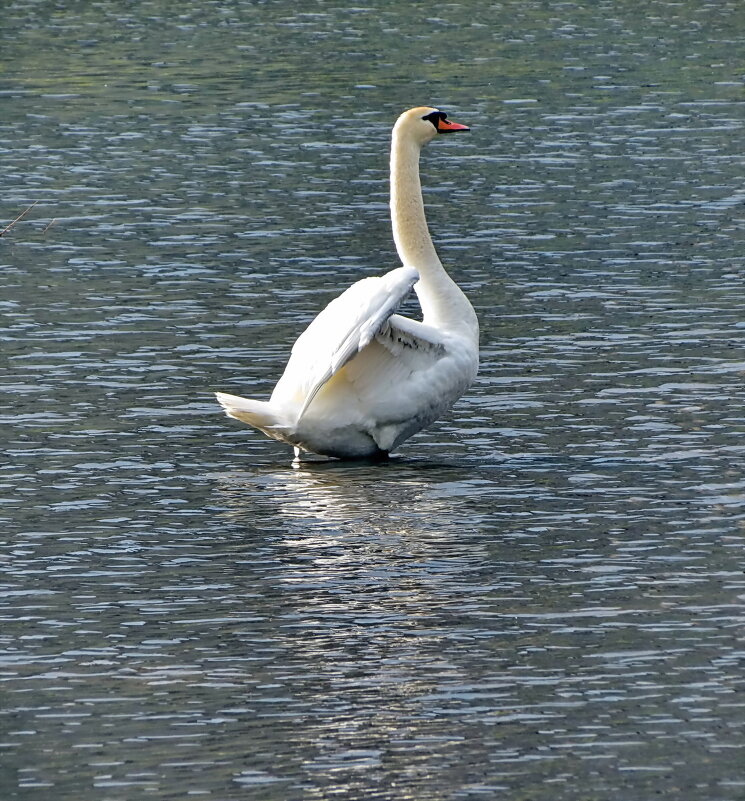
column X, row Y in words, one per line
column 258, row 414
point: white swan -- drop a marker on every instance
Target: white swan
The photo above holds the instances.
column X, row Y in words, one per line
column 362, row 379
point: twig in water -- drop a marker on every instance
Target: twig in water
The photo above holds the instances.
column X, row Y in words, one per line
column 18, row 219
column 49, row 225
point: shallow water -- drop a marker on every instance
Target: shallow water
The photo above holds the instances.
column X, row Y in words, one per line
column 540, row 597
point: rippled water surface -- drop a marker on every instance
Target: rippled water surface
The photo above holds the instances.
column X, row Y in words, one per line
column 542, row 597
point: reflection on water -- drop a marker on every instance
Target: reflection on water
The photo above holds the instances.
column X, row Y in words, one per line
column 328, row 496
column 542, row 596
column 556, row 620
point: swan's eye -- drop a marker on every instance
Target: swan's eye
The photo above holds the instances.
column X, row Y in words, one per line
column 435, row 116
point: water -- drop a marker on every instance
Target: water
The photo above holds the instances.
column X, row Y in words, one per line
column 542, row 596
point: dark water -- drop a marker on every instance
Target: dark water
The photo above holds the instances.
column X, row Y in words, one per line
column 542, row 597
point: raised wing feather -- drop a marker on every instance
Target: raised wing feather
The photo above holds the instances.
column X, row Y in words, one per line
column 401, row 334
column 343, row 329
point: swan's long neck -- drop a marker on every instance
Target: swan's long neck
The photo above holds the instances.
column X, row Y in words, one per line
column 443, row 304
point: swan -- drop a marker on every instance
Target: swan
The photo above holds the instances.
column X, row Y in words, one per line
column 361, row 379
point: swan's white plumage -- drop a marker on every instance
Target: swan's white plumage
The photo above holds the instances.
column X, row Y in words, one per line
column 362, row 379
column 343, row 329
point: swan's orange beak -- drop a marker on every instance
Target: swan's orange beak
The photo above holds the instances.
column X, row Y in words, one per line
column 445, row 126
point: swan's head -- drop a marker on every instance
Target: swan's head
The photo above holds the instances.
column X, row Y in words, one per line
column 423, row 123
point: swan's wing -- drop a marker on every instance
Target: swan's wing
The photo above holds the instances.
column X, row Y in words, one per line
column 346, row 326
column 402, row 334
column 398, row 370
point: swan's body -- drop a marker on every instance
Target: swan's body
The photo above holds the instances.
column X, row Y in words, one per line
column 362, row 379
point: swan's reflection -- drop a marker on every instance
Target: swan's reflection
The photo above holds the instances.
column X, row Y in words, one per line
column 407, row 499
column 365, row 556
column 370, row 580
column 401, row 531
